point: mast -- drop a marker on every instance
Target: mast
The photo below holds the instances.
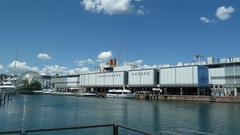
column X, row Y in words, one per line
column 15, row 63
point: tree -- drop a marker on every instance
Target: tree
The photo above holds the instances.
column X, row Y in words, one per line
column 26, row 87
column 35, row 85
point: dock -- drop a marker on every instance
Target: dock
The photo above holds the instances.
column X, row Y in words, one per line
column 225, row 99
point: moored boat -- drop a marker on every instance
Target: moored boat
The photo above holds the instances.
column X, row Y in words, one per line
column 7, row 87
column 120, row 93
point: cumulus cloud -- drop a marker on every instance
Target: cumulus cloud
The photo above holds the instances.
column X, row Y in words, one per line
column 1, row 67
column 62, row 70
column 224, row 13
column 78, row 70
column 103, row 56
column 54, row 69
column 137, row 63
column 204, row 19
column 141, row 11
column 149, row 66
column 82, row 63
column 140, row 64
column 109, row 7
column 19, row 66
column 44, row 56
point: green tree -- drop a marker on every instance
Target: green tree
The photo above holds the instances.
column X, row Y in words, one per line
column 24, row 85
column 35, row 85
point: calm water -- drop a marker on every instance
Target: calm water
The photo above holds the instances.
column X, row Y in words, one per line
column 34, row 111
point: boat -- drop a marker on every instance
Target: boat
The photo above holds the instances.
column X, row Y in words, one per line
column 119, row 93
column 7, row 87
column 86, row 94
column 44, row 91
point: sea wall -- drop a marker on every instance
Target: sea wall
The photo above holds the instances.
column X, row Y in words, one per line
column 190, row 98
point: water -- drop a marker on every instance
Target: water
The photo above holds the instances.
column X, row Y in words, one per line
column 41, row 111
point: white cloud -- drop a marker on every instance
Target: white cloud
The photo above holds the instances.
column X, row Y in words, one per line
column 204, row 19
column 62, row 70
column 109, row 7
column 140, row 64
column 1, row 67
column 103, row 56
column 54, row 69
column 19, row 66
column 149, row 66
column 140, row 12
column 44, row 56
column 137, row 63
column 82, row 63
column 78, row 70
column 223, row 13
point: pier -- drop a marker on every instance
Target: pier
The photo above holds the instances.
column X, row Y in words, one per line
column 225, row 99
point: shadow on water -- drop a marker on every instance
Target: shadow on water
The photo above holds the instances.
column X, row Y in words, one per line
column 204, row 118
column 156, row 119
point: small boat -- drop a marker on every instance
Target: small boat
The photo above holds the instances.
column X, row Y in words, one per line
column 7, row 87
column 120, row 93
column 86, row 94
column 45, row 91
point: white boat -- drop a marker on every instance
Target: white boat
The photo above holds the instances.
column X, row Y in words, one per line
column 7, row 87
column 87, row 94
column 45, row 91
column 119, row 93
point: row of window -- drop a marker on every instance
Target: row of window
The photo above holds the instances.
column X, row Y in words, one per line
column 225, row 77
column 109, row 75
column 140, row 73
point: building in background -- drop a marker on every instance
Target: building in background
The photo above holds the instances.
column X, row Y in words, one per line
column 224, row 77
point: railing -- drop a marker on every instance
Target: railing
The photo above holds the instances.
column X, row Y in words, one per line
column 115, row 129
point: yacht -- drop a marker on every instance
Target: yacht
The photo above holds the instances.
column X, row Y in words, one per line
column 119, row 93
column 7, row 87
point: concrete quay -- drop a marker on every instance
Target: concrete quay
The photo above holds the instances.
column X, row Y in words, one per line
column 225, row 99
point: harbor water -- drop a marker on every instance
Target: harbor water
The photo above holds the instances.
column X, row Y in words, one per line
column 46, row 111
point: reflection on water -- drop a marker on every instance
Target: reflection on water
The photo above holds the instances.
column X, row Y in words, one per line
column 34, row 111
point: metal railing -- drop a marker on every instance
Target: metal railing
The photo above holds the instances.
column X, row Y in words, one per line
column 115, row 129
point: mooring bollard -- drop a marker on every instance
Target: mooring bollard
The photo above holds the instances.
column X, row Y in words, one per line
column 115, row 129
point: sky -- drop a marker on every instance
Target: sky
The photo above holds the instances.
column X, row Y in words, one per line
column 75, row 35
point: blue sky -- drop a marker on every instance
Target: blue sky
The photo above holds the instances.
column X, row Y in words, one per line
column 155, row 31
